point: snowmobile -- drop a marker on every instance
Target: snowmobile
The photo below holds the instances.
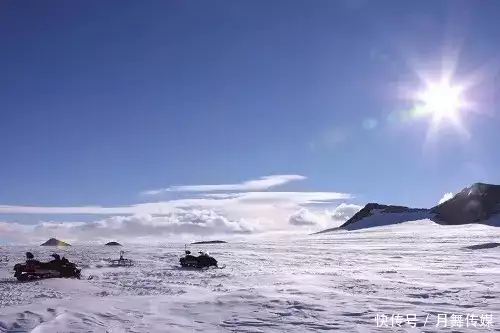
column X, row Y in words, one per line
column 204, row 260
column 34, row 269
column 121, row 261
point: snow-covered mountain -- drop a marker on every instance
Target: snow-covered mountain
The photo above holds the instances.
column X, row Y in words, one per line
column 478, row 203
column 377, row 215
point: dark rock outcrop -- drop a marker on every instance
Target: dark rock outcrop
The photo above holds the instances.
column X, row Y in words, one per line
column 55, row 242
column 474, row 204
column 478, row 203
column 113, row 244
column 210, row 242
column 483, row 246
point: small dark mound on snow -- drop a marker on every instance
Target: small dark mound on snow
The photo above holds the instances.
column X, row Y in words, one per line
column 55, row 242
column 210, row 242
column 482, row 246
column 113, row 244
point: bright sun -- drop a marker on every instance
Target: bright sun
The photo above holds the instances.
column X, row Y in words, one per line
column 442, row 100
column 444, row 103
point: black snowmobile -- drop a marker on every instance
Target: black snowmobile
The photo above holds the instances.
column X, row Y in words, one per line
column 204, row 260
column 57, row 268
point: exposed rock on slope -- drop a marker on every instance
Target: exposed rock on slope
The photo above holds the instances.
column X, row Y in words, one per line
column 478, row 203
column 55, row 242
column 377, row 215
column 374, row 214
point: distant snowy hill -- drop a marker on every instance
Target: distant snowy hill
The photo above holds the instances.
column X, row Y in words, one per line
column 478, row 203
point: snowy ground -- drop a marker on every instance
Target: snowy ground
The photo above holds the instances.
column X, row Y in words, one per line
column 339, row 281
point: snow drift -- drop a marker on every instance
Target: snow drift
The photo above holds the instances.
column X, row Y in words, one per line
column 340, row 283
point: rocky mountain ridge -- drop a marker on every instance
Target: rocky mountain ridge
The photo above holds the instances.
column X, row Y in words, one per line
column 478, row 203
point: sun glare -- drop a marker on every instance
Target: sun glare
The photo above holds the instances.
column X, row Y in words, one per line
column 444, row 103
column 442, row 100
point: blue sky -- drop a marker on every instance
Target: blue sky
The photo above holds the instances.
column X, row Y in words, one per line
column 101, row 101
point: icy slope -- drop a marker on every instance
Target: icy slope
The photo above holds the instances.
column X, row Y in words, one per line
column 377, row 215
column 380, row 218
column 338, row 281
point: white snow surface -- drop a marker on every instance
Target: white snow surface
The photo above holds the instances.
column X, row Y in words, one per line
column 337, row 281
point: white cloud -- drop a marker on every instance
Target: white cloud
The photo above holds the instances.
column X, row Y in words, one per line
column 262, row 183
column 303, row 217
column 344, row 211
column 339, row 215
column 277, row 197
column 446, row 197
column 208, row 201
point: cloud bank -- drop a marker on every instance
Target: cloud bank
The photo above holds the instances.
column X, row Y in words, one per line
column 247, row 210
column 193, row 223
column 227, row 201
